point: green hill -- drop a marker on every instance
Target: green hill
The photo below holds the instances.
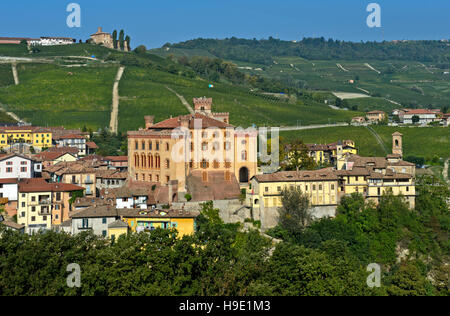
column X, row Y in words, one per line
column 77, row 92
column 413, row 73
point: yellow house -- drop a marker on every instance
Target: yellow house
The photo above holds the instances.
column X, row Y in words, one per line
column 320, row 185
column 398, row 183
column 117, row 229
column 330, row 153
column 147, row 220
column 35, row 136
column 41, row 204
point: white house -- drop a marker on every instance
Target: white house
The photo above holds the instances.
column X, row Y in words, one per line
column 14, row 166
column 74, row 141
column 50, row 41
column 425, row 116
column 8, row 189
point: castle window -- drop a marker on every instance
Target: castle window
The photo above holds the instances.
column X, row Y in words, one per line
column 136, row 145
column 244, row 142
column 150, row 161
column 150, row 145
column 205, row 134
column 167, row 163
column 143, row 145
column 191, row 164
column 227, row 164
column 204, row 146
column 167, row 147
column 216, row 164
column 157, row 145
column 244, row 155
column 204, row 164
column 192, row 146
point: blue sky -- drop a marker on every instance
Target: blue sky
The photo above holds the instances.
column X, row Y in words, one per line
column 154, row 23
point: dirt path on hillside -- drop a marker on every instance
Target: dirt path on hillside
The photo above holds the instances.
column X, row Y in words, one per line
column 114, row 123
column 340, row 66
column 15, row 74
column 370, row 67
column 378, row 138
column 182, row 99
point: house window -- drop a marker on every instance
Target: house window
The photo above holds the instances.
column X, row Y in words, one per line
column 23, row 169
column 204, row 164
column 104, row 220
column 33, row 218
column 104, row 233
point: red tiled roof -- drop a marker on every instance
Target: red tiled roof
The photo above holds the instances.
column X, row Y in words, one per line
column 71, row 136
column 419, row 111
column 92, row 145
column 40, row 185
column 176, row 122
column 117, row 158
column 50, row 155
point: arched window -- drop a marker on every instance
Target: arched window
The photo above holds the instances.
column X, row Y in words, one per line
column 136, row 160
column 216, row 164
column 150, row 161
column 167, row 163
column 143, row 161
column 143, row 145
column 157, row 162
column 167, row 147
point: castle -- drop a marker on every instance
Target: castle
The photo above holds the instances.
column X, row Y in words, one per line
column 202, row 145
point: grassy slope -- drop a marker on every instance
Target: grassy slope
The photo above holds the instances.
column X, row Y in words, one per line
column 52, row 95
column 422, row 142
column 144, row 92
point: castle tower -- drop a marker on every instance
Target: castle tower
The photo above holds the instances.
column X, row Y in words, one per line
column 203, row 106
column 397, row 144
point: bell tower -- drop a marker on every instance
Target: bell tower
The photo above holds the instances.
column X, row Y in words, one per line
column 203, row 106
column 397, row 144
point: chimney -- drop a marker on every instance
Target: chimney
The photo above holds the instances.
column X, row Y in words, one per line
column 149, row 119
column 99, row 29
column 184, row 121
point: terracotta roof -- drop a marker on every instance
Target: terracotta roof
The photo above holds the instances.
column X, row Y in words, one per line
column 9, row 181
column 72, row 167
column 117, row 158
column 40, row 185
column 7, row 156
column 118, row 224
column 71, row 136
column 353, row 172
column 12, row 225
column 176, row 122
column 66, row 149
column 51, row 155
column 110, row 174
column 215, row 188
column 296, row 176
column 419, row 111
column 92, row 145
column 96, row 211
column 157, row 213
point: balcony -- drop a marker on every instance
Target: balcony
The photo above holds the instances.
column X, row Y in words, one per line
column 84, row 227
column 45, row 212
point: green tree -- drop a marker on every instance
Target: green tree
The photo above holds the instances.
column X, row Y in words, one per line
column 296, row 157
column 295, row 213
column 114, row 37
column 121, row 39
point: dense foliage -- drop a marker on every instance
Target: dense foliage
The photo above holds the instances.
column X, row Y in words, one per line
column 411, row 245
column 261, row 51
column 327, row 258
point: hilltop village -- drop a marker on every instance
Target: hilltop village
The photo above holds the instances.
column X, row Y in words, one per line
column 52, row 179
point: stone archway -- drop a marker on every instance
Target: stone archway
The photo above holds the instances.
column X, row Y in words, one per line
column 243, row 175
